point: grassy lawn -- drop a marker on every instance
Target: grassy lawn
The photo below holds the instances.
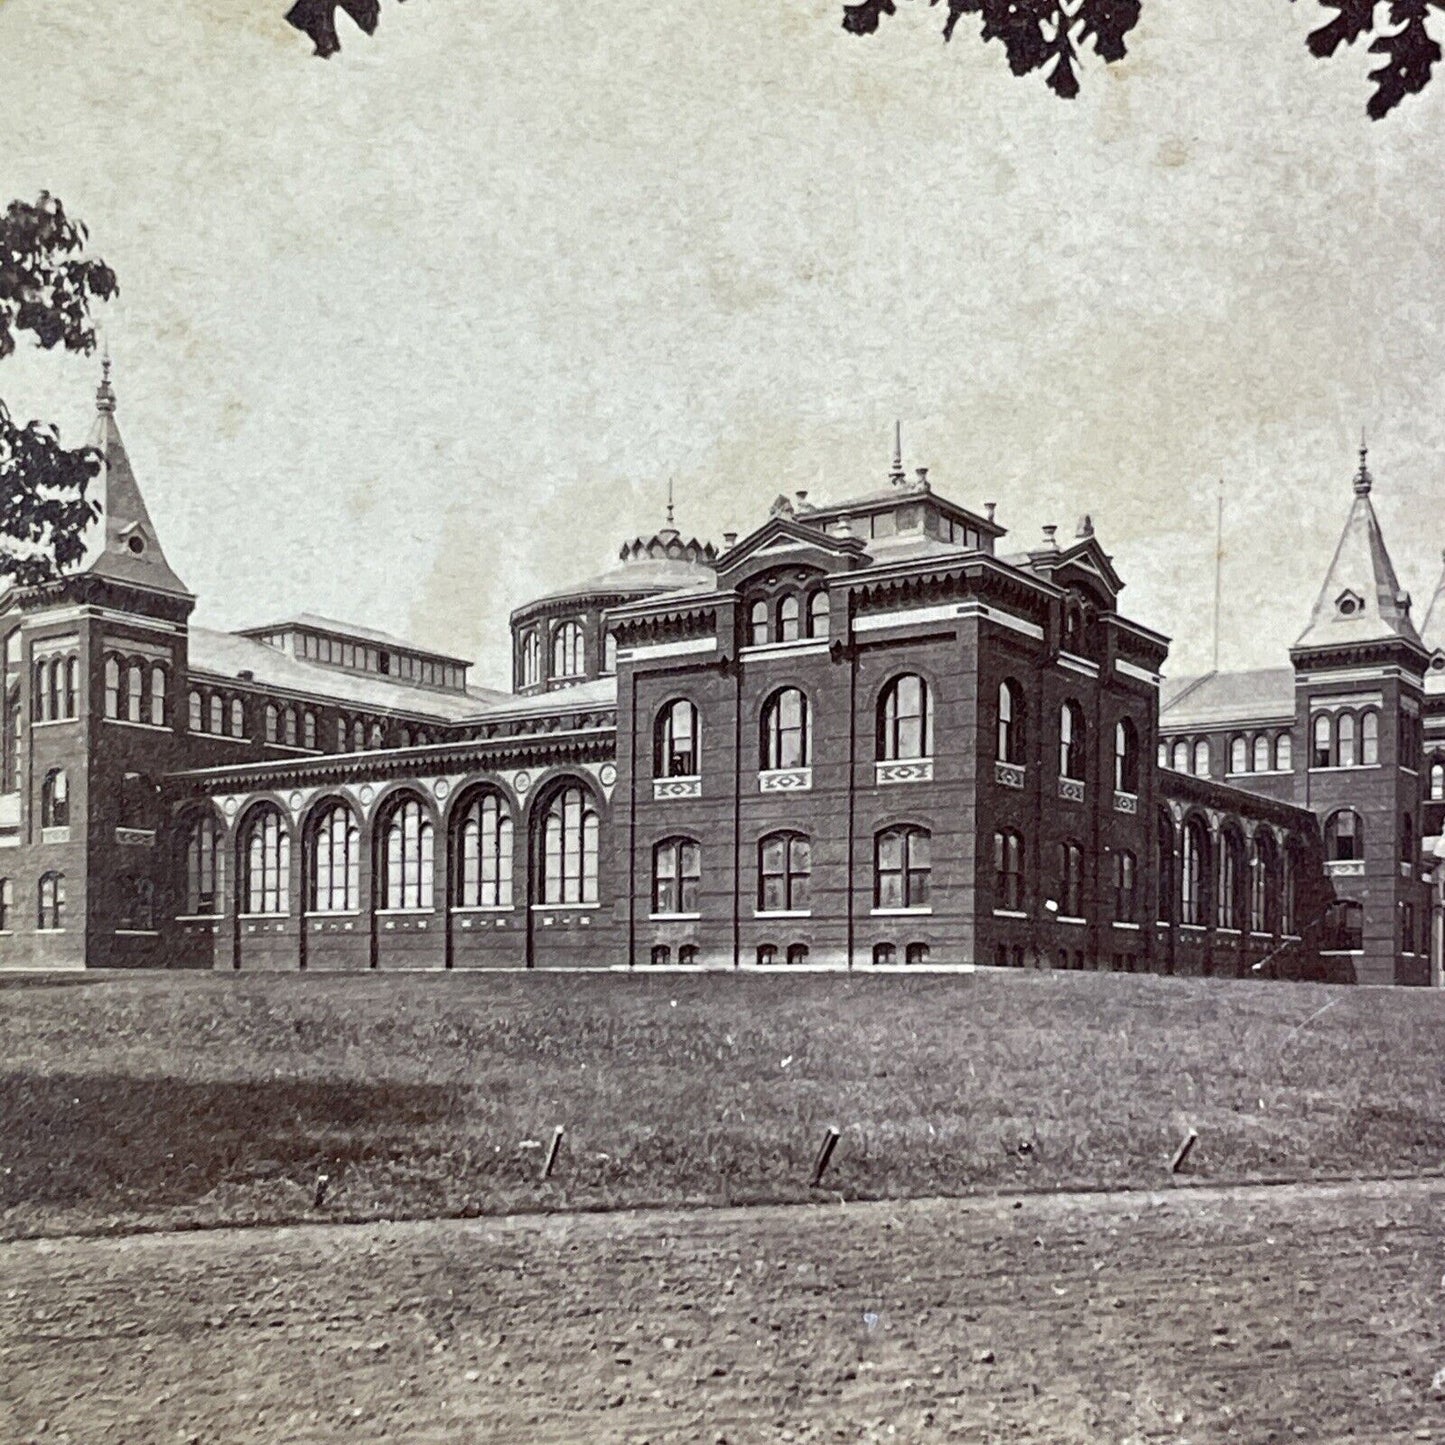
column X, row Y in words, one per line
column 165, row 1100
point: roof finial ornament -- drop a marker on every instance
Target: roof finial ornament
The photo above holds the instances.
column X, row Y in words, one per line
column 669, row 501
column 897, row 474
column 105, row 393
column 1363, row 480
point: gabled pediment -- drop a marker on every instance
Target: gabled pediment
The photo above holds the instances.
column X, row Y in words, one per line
column 782, row 540
column 1085, row 564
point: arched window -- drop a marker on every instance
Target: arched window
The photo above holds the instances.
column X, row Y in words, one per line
column 902, row 868
column 785, row 730
column 51, row 911
column 789, row 618
column 1344, row 837
column 72, row 687
column 1345, row 755
column 273, row 718
column 567, row 650
column 1322, row 750
column 56, row 703
column 333, row 874
column 266, row 862
column 1008, row 870
column 158, row 695
column 1238, row 755
column 531, row 658
column 484, row 853
column 1289, row 874
column 1126, row 756
column 675, row 752
column 377, row 739
column 1193, row 873
column 1163, row 756
column 1370, row 738
column 1071, row 880
column 195, row 716
column 1181, row 756
column 308, row 729
column 218, row 713
column 288, row 726
column 7, row 904
column 1284, row 753
column 55, row 800
column 785, row 865
column 1126, row 887
column 1164, row 861
column 1261, row 752
column 203, row 865
column 1201, row 758
column 1262, row 883
column 818, row 614
column 238, row 718
column 609, row 652
column 905, row 719
column 407, row 859
column 134, row 692
column 1010, row 748
column 358, row 736
column 1407, row 840
column 112, row 687
column 569, row 848
column 758, row 631
column 676, row 876
column 1229, row 896
column 1437, row 781
column 1071, row 741
column 422, row 738
column 39, row 689
column 1344, row 927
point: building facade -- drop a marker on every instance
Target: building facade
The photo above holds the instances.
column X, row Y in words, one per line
column 861, row 736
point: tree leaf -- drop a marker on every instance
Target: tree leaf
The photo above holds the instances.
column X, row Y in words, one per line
column 317, row 18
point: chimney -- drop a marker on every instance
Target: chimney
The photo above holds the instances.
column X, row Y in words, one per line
column 922, row 474
column 989, row 508
column 1051, row 542
column 802, row 496
column 730, row 540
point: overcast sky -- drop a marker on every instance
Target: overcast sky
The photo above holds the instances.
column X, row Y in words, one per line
column 413, row 334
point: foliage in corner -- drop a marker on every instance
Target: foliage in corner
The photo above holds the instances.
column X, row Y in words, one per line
column 317, row 19
column 47, row 287
column 1401, row 36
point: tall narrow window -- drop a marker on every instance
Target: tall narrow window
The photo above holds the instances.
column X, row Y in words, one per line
column 785, row 742
column 1181, row 756
column 55, row 800
column 1126, row 887
column 785, row 866
column 134, row 692
column 203, row 865
column 112, row 687
column 407, row 859
column 238, row 718
column 567, row 650
column 13, row 742
column 1201, row 758
column 903, row 868
column 1071, row 741
column 1345, row 755
column 158, row 696
column 1163, row 757
column 609, row 652
column 1283, row 753
column 138, row 905
column 333, row 882
column 569, row 849
column 1370, row 738
column 1407, row 840
column 377, row 739
column 266, row 862
column 1437, row 781
column 1344, row 927
column 288, row 726
column 308, row 729
column 1071, row 880
column 1238, row 755
column 484, row 854
column 675, row 741
column 7, row 904
column 818, row 614
column 195, row 717
column 1164, row 859
column 273, row 718
column 51, row 910
column 1010, row 746
column 1193, row 873
column 676, row 876
column 758, row 631
column 1322, row 750
column 1008, row 870
column 790, row 625
column 72, row 687
column 358, row 736
column 1231, row 879
column 1262, row 883
column 905, row 719
column 39, row 689
column 1126, row 756
column 1344, row 837
column 531, row 658
column 1261, row 752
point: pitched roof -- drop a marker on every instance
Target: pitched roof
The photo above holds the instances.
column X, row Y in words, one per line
column 1214, row 699
column 1361, row 600
column 123, row 545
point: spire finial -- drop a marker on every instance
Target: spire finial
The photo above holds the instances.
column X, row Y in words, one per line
column 1363, row 480
column 897, row 475
column 105, row 393
column 669, row 501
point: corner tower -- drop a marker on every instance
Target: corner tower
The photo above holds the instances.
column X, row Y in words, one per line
column 1359, row 700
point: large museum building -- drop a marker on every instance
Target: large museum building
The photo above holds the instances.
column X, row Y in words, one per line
column 862, row 736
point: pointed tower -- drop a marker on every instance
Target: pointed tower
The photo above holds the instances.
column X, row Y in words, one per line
column 1359, row 695
column 95, row 662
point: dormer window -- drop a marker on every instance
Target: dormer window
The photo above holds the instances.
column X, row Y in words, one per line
column 1348, row 603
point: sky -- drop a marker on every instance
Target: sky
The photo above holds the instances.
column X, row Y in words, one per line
column 413, row 334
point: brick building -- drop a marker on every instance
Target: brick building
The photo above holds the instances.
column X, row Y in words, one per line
column 863, row 735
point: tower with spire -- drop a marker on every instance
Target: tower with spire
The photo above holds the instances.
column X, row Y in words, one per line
column 1359, row 670
column 95, row 661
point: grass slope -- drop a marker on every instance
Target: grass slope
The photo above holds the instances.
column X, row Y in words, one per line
column 192, row 1099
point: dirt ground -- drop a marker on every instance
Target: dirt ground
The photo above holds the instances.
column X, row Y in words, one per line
column 1254, row 1314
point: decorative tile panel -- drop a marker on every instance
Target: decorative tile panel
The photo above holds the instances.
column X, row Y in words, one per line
column 1126, row 802
column 135, row 837
column 1345, row 868
column 912, row 770
column 785, row 780
column 664, row 788
column 1071, row 790
column 1009, row 775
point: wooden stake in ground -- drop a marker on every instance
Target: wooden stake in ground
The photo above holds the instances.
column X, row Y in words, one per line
column 552, row 1152
column 825, row 1153
column 1182, row 1152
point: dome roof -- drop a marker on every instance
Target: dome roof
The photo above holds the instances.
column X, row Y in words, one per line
column 664, row 562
